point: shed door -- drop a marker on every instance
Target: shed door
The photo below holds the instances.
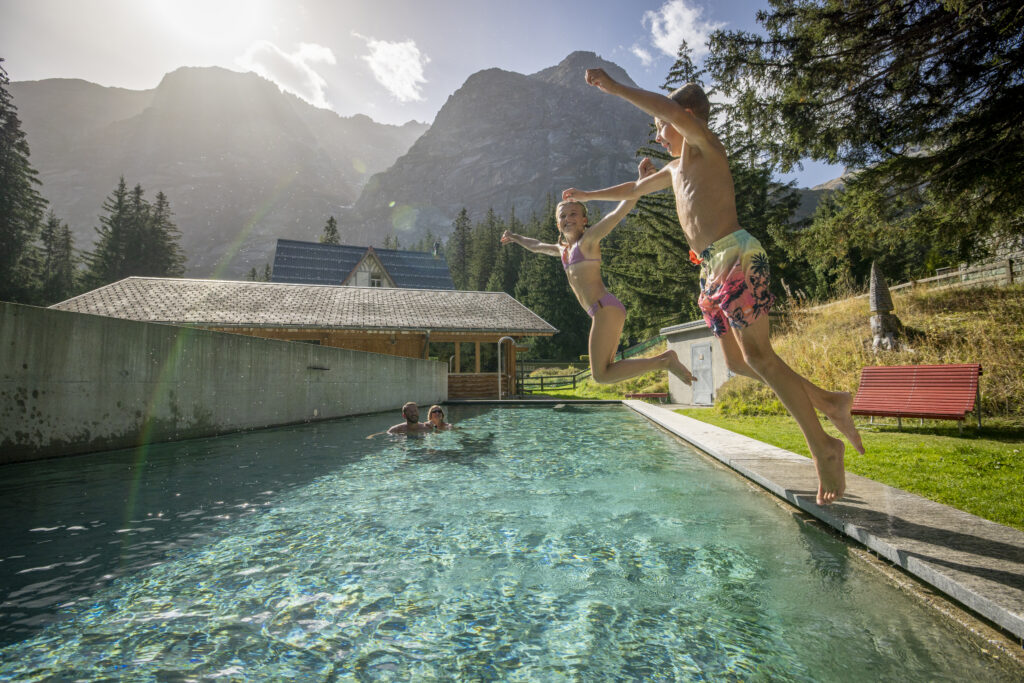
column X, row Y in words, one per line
column 700, row 366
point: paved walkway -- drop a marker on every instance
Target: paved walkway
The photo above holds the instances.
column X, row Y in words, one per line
column 977, row 562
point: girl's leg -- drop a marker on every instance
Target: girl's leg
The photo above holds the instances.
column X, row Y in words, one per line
column 835, row 405
column 789, row 387
column 605, row 332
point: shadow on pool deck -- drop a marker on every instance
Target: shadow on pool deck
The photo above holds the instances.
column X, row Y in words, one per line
column 977, row 562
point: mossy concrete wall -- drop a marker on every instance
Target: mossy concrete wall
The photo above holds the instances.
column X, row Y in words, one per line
column 74, row 383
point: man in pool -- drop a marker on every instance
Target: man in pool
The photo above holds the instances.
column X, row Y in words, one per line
column 734, row 267
column 412, row 424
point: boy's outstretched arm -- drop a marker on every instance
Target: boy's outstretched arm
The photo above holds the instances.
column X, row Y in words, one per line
column 650, row 180
column 655, row 104
column 599, row 230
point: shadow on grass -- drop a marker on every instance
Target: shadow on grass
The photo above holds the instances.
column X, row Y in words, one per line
column 1010, row 433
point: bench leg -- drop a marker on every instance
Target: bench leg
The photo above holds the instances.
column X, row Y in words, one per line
column 899, row 424
column 960, row 424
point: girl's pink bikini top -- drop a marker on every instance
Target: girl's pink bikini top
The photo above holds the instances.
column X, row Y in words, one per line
column 573, row 255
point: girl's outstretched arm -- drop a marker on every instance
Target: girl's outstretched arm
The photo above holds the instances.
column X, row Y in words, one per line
column 530, row 243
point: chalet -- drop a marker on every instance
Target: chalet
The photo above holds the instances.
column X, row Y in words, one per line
column 312, row 263
column 463, row 329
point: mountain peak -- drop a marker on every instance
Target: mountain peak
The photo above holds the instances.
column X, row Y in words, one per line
column 569, row 72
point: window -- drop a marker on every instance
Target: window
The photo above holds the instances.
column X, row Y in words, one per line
column 376, row 280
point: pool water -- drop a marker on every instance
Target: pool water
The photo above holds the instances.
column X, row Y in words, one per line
column 529, row 544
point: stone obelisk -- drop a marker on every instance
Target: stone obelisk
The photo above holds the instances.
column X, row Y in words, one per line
column 885, row 326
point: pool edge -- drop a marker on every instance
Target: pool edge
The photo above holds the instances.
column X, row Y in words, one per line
column 899, row 526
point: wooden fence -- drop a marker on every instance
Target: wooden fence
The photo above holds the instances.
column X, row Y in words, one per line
column 1004, row 271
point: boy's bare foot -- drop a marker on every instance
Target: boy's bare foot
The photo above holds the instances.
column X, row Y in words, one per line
column 831, row 473
column 678, row 369
column 837, row 410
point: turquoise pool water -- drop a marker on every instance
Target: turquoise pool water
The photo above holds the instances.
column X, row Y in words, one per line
column 530, row 544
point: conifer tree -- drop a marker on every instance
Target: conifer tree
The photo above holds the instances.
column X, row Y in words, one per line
column 21, row 205
column 167, row 259
column 135, row 238
column 507, row 262
column 58, row 262
column 459, row 250
column 330, row 234
column 485, row 241
column 106, row 262
column 921, row 96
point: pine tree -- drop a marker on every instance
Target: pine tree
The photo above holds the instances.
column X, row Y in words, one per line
column 507, row 262
column 459, row 244
column 58, row 261
column 167, row 260
column 330, row 234
column 135, row 238
column 21, row 205
column 922, row 96
column 106, row 263
column 267, row 272
column 485, row 243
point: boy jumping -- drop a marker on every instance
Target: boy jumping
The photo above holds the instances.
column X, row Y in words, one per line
column 734, row 295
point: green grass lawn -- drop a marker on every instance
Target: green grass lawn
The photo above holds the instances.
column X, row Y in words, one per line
column 981, row 472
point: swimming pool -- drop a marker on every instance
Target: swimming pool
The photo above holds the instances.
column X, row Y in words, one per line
column 530, row 544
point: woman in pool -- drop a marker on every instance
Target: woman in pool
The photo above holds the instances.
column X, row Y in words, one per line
column 579, row 247
column 435, row 418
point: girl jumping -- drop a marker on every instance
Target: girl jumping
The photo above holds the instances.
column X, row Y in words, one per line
column 579, row 247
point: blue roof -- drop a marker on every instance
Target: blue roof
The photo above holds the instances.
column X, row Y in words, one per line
column 313, row 263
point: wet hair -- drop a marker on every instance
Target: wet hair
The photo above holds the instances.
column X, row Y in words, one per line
column 583, row 208
column 406, row 407
column 691, row 96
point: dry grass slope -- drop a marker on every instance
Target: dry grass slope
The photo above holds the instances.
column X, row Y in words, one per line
column 829, row 345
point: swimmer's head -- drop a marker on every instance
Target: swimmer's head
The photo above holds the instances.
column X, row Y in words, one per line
column 411, row 411
column 571, row 216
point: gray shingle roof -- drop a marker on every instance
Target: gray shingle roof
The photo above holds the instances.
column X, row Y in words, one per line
column 226, row 303
column 313, row 263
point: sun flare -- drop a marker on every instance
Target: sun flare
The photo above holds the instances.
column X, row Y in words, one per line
column 209, row 21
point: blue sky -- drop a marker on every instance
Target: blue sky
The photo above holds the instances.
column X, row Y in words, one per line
column 393, row 60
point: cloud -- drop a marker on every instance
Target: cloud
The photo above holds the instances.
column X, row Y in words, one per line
column 644, row 56
column 293, row 72
column 675, row 22
column 397, row 66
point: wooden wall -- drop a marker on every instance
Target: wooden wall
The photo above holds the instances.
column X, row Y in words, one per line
column 481, row 385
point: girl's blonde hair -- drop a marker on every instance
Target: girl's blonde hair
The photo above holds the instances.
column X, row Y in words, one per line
column 583, row 208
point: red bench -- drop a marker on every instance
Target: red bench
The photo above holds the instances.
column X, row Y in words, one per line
column 936, row 392
column 661, row 397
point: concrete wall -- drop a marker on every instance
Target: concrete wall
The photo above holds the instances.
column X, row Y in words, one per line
column 682, row 339
column 74, row 383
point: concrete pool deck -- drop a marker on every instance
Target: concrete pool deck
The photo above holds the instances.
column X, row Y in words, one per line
column 976, row 562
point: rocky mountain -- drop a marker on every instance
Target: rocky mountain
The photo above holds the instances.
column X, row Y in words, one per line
column 504, row 140
column 241, row 162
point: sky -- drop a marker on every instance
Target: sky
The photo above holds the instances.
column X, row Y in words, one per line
column 393, row 60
